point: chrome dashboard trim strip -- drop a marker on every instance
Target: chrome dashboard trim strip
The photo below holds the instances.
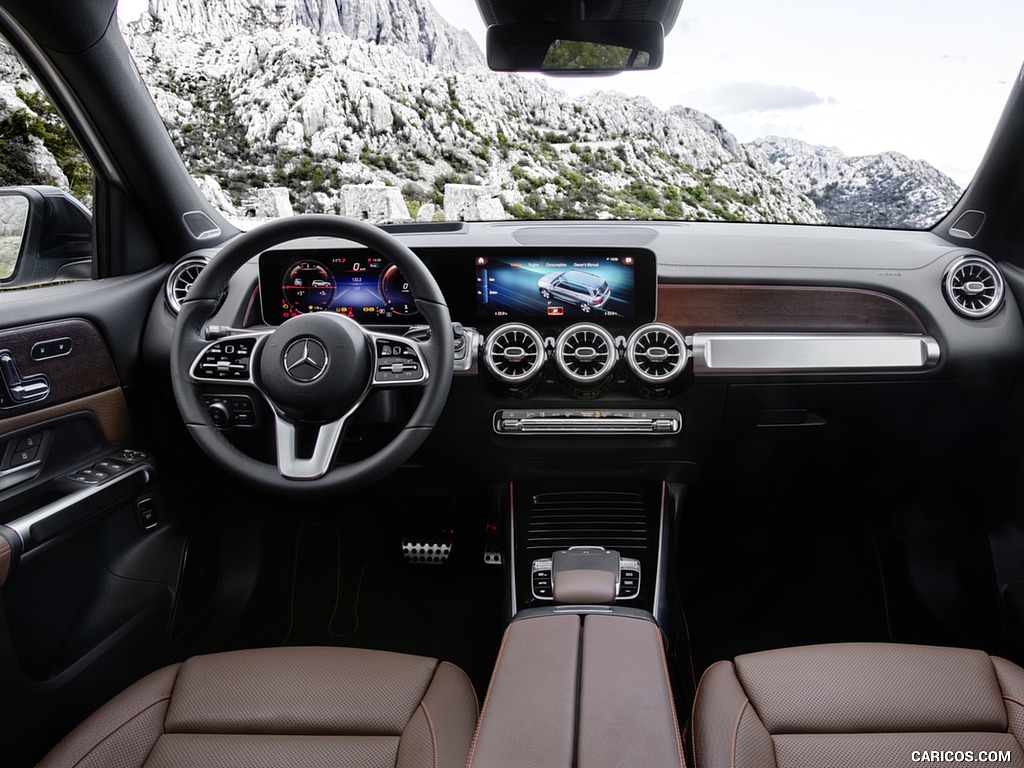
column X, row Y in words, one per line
column 768, row 352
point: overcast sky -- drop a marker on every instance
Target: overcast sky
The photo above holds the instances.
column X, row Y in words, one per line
column 927, row 78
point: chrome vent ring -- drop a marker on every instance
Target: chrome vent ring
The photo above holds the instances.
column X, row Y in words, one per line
column 585, row 353
column 656, row 353
column 180, row 281
column 514, row 353
column 974, row 287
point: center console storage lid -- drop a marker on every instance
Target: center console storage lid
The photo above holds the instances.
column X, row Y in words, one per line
column 579, row 687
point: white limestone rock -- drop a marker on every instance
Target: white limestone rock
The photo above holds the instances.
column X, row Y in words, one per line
column 467, row 202
column 379, row 204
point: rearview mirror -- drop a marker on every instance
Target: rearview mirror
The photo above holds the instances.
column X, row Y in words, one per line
column 576, row 48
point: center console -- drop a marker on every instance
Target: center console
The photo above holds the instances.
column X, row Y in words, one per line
column 584, row 686
column 581, row 678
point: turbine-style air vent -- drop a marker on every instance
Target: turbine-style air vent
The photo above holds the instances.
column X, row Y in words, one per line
column 656, row 353
column 179, row 282
column 514, row 353
column 585, row 353
column 974, row 287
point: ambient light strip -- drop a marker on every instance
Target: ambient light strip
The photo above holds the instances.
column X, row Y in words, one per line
column 740, row 353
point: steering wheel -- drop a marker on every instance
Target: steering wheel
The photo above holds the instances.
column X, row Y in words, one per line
column 314, row 370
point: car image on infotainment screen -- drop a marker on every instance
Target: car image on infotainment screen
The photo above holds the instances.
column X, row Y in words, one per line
column 551, row 286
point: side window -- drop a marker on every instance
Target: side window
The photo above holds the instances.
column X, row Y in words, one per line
column 46, row 186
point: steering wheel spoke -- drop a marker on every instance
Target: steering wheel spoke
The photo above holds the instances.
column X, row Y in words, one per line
column 227, row 360
column 398, row 361
column 306, row 451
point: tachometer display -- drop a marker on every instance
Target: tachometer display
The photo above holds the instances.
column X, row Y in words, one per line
column 308, row 286
column 394, row 288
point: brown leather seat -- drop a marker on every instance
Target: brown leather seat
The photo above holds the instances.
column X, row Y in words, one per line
column 306, row 707
column 859, row 704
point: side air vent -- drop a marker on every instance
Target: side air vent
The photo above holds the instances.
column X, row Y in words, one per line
column 656, row 353
column 974, row 287
column 179, row 282
column 585, row 353
column 610, row 519
column 514, row 353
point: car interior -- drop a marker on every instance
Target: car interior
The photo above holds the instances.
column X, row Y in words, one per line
column 563, row 493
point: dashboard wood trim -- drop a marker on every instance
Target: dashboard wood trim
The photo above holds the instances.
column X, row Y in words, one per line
column 780, row 309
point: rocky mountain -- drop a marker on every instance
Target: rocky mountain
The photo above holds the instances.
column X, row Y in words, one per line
column 411, row 26
column 377, row 108
column 276, row 103
column 884, row 190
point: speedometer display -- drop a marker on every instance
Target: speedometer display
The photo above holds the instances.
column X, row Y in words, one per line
column 358, row 284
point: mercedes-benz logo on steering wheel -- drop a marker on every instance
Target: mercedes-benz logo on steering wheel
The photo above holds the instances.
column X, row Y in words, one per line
column 305, row 360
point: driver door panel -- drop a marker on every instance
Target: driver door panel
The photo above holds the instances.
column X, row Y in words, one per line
column 91, row 548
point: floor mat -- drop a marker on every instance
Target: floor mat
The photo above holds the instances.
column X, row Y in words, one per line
column 777, row 579
column 451, row 611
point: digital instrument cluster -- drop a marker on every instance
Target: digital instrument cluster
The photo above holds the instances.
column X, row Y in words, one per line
column 358, row 284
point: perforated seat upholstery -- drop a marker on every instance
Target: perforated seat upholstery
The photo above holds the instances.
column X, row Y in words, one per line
column 860, row 704
column 307, row 707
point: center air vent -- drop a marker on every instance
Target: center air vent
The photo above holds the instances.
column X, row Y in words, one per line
column 585, row 353
column 514, row 353
column 656, row 353
column 180, row 281
column 974, row 287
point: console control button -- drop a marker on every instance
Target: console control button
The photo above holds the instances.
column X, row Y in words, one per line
column 24, row 456
column 130, row 456
column 105, row 469
column 580, row 421
column 46, row 350
column 540, row 579
column 629, row 579
column 29, row 442
column 147, row 514
column 110, row 466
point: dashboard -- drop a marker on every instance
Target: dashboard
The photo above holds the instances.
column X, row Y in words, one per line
column 662, row 347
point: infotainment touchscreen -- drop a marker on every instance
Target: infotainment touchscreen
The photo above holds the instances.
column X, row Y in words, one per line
column 552, row 285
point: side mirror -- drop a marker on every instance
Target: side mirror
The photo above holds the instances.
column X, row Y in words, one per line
column 576, row 48
column 45, row 236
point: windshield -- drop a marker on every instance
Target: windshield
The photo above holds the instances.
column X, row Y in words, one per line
column 867, row 114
